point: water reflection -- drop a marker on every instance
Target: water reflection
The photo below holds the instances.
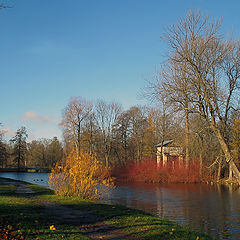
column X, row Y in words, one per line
column 212, row 209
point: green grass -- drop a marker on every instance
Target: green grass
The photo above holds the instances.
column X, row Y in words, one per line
column 29, row 217
column 23, row 218
column 134, row 222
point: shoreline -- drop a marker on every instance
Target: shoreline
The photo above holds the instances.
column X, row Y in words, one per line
column 221, row 182
column 131, row 223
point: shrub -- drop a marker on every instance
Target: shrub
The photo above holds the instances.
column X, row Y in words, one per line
column 80, row 175
column 171, row 172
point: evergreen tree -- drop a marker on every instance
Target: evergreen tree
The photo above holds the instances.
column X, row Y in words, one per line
column 20, row 147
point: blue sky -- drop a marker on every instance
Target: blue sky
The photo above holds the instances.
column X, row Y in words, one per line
column 52, row 50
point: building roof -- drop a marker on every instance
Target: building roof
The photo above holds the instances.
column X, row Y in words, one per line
column 164, row 143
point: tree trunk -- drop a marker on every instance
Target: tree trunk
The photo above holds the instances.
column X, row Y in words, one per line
column 187, row 138
column 19, row 157
column 200, row 164
column 219, row 168
column 79, row 137
column 227, row 153
column 230, row 176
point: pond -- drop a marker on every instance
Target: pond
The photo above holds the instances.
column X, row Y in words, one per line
column 36, row 178
column 213, row 209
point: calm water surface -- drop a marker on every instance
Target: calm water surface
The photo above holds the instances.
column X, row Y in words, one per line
column 212, row 209
column 36, row 178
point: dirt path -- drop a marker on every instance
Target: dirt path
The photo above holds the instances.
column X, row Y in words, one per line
column 89, row 224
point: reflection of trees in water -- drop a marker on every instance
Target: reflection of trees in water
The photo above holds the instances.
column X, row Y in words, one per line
column 213, row 209
column 210, row 211
column 229, row 200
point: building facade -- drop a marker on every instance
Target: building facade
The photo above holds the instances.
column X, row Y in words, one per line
column 167, row 152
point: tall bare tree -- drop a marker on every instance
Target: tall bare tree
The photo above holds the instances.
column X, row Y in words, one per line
column 106, row 116
column 122, row 135
column 73, row 116
column 177, row 89
column 211, row 64
column 171, row 93
column 138, row 125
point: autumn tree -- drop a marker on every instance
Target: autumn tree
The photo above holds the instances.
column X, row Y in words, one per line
column 20, row 147
column 80, row 174
column 198, row 52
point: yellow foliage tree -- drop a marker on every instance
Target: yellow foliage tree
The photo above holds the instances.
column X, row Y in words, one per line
column 80, row 175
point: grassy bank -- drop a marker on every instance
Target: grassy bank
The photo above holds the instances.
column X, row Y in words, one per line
column 25, row 218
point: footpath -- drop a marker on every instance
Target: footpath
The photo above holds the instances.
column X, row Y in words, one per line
column 87, row 223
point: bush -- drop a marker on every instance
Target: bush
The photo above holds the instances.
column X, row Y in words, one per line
column 171, row 172
column 80, row 175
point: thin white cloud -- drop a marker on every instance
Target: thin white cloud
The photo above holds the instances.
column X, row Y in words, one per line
column 32, row 116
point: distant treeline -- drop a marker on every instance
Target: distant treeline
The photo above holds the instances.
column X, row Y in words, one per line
column 19, row 154
column 120, row 138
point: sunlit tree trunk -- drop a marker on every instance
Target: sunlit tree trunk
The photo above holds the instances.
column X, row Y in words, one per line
column 187, row 134
column 219, row 168
column 227, row 153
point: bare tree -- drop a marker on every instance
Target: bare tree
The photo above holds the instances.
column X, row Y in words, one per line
column 122, row 135
column 211, row 65
column 170, row 90
column 73, row 116
column 106, row 116
column 138, row 125
column 177, row 89
column 90, row 133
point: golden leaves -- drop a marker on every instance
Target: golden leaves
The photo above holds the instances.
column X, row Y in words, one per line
column 80, row 175
column 52, row 228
